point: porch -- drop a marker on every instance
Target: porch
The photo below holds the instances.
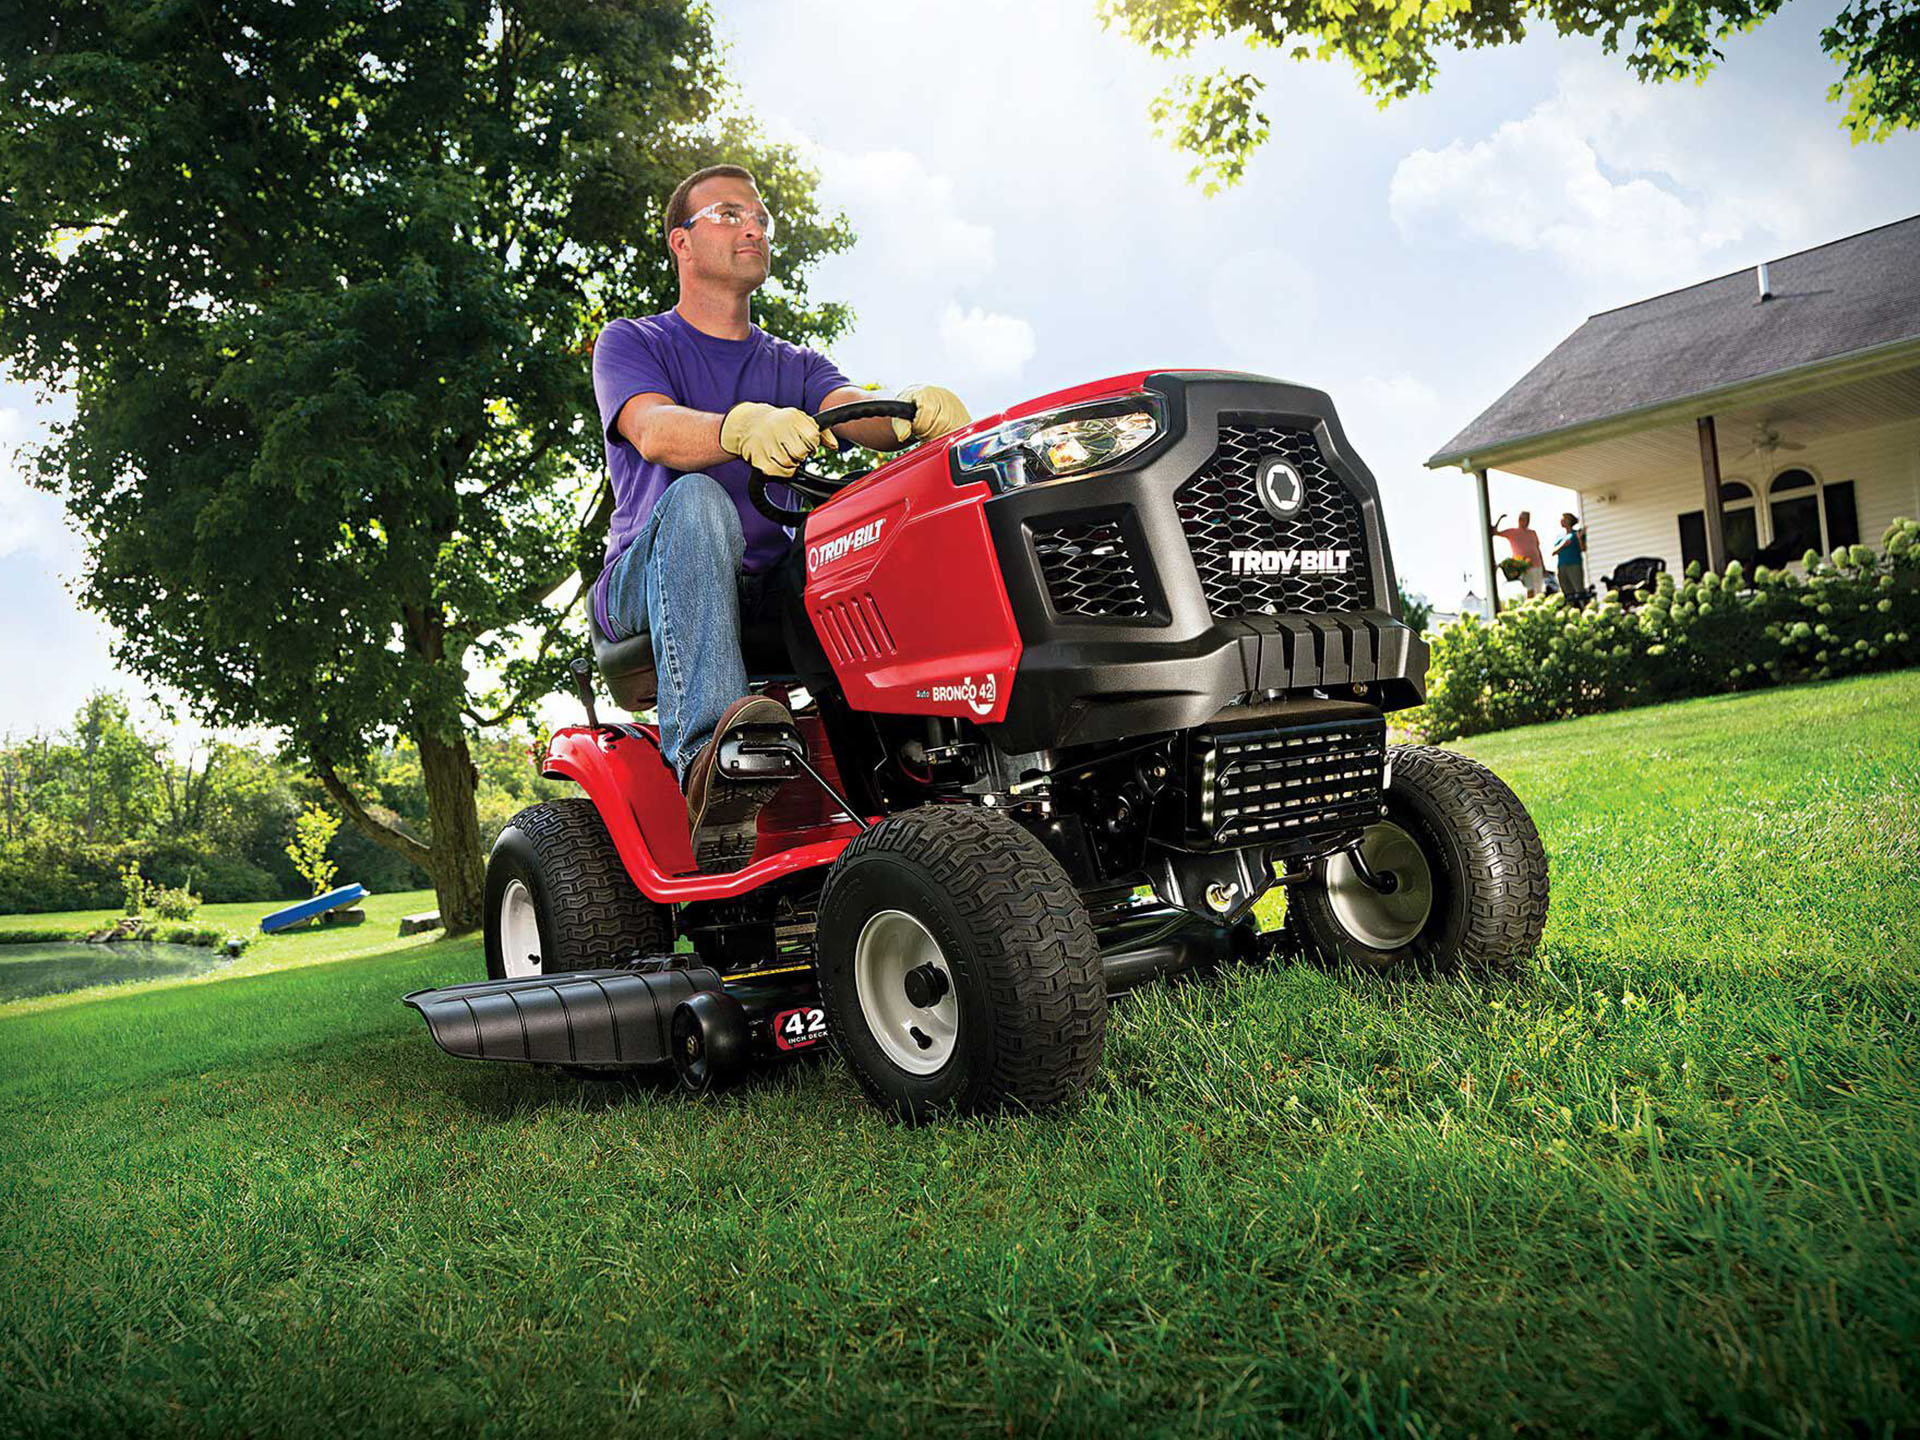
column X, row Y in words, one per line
column 1752, row 417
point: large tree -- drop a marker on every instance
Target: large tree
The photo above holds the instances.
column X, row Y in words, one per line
column 322, row 280
column 1394, row 47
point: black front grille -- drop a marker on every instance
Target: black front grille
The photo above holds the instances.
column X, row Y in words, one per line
column 1288, row 786
column 1221, row 513
column 1088, row 570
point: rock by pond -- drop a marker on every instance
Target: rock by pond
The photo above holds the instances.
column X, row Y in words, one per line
column 54, row 966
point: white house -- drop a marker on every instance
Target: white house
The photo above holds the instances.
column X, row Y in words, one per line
column 1752, row 417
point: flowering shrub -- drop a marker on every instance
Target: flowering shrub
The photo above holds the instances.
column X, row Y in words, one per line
column 1543, row 659
column 142, row 895
column 173, row 904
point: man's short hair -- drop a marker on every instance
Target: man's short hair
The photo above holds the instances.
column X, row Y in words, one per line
column 677, row 206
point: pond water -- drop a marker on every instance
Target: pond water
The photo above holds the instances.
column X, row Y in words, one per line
column 49, row 967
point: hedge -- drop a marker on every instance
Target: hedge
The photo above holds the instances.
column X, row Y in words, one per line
column 1543, row 659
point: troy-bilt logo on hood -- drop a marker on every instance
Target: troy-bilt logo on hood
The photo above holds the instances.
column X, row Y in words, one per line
column 1291, row 562
column 828, row 551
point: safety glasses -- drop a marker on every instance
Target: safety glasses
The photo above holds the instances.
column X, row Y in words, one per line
column 730, row 212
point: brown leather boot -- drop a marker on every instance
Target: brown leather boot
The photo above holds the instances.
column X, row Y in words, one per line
column 723, row 814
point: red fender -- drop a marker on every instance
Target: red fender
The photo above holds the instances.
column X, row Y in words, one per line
column 640, row 803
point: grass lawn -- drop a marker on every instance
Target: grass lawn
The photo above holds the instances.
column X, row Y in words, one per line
column 1666, row 1182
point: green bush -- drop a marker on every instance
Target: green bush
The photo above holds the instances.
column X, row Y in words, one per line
column 208, row 935
column 1543, row 659
column 134, row 888
column 173, row 904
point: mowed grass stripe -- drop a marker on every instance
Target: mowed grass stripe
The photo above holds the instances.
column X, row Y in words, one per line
column 1666, row 1182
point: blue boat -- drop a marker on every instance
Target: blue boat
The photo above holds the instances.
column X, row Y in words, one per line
column 307, row 909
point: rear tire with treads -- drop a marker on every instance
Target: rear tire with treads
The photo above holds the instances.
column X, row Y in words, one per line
column 557, row 858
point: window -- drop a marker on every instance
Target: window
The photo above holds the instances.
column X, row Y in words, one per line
column 1843, row 521
column 1743, row 521
column 1794, row 508
column 1742, row 517
column 1801, row 514
column 1693, row 539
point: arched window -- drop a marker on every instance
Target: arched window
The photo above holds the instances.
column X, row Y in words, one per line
column 1805, row 514
column 1740, row 511
column 1802, row 513
column 1793, row 505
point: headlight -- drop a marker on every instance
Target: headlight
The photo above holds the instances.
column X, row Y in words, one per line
column 1079, row 440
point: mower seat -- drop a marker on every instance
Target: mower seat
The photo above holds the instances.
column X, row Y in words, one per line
column 627, row 665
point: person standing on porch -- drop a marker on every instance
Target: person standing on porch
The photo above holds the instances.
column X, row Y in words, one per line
column 1569, row 554
column 1525, row 544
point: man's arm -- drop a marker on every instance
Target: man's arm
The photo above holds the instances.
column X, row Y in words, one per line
column 672, row 435
column 683, row 439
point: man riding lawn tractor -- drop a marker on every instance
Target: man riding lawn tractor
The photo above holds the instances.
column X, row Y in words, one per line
column 692, row 403
column 951, row 750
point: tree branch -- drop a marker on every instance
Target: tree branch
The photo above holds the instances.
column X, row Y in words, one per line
column 378, row 831
column 518, row 473
column 525, row 691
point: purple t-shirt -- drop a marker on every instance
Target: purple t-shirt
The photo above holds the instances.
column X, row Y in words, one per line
column 665, row 355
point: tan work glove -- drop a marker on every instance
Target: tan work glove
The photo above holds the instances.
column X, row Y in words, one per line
column 771, row 439
column 935, row 412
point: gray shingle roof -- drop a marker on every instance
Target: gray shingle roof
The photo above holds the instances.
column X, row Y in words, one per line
column 1845, row 296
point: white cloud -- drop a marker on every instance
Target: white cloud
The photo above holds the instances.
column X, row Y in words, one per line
column 988, row 344
column 915, row 277
column 1613, row 179
column 910, row 229
column 1401, row 396
column 15, row 426
column 30, row 520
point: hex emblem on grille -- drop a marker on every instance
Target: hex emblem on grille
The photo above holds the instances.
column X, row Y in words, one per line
column 1281, row 489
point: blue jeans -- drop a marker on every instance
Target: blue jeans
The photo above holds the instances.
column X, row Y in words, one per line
column 680, row 581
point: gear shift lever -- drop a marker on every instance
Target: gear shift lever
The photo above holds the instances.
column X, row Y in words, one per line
column 583, row 684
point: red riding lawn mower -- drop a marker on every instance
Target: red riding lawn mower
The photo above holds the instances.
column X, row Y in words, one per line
column 1072, row 689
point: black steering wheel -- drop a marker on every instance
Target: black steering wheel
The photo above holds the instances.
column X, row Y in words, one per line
column 810, row 484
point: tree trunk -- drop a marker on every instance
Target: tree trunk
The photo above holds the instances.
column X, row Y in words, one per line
column 456, row 864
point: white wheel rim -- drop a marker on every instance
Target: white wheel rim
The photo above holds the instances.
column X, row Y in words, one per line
column 1385, row 922
column 919, row 1039
column 519, row 932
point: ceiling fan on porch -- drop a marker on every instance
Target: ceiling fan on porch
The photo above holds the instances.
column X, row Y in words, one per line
column 1766, row 440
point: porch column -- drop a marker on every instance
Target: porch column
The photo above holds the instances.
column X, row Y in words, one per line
column 1486, row 543
column 1716, row 518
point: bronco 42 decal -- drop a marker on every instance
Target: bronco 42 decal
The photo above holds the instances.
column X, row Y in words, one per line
column 978, row 698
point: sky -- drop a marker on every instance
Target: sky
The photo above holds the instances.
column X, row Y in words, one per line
column 1021, row 229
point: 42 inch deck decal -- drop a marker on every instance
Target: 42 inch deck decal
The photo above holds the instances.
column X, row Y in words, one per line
column 801, row 1028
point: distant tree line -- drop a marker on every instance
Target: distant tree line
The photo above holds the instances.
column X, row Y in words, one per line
column 80, row 803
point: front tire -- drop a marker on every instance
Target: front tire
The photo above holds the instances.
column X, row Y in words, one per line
column 1469, row 877
column 958, row 967
column 558, row 897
